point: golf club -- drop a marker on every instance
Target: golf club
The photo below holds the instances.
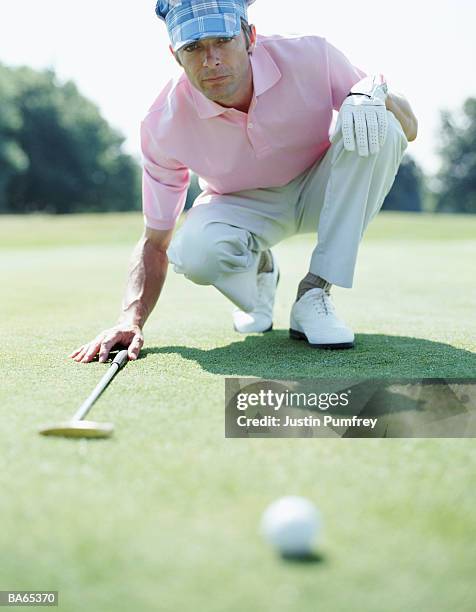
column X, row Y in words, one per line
column 76, row 427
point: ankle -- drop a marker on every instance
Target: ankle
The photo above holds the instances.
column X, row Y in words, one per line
column 311, row 281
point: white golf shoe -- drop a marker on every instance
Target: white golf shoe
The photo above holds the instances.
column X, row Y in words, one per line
column 313, row 318
column 260, row 319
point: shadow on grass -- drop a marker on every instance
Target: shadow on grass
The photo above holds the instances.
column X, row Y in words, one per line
column 274, row 355
column 309, row 559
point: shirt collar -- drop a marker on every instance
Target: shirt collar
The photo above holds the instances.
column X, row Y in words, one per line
column 265, row 75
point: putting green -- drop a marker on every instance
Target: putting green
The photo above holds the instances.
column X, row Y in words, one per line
column 164, row 515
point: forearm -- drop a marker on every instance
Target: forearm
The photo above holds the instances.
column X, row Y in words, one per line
column 399, row 106
column 146, row 277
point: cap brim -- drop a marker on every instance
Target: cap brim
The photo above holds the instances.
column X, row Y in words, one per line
column 181, row 44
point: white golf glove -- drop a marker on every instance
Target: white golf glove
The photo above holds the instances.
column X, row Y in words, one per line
column 363, row 117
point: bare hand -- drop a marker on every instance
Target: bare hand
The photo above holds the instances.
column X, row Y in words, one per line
column 129, row 336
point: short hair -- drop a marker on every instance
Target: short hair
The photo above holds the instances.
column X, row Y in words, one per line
column 246, row 28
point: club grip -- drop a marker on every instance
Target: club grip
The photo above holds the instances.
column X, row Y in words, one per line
column 120, row 359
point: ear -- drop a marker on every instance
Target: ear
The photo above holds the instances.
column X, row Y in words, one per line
column 253, row 37
column 175, row 55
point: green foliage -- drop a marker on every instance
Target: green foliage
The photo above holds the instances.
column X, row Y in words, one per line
column 193, row 191
column 57, row 153
column 13, row 159
column 406, row 193
column 457, row 177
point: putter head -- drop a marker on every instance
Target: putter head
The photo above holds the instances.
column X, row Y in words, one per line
column 79, row 429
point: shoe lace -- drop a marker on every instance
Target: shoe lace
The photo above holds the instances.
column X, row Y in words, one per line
column 321, row 302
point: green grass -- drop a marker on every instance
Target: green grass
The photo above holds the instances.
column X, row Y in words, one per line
column 164, row 516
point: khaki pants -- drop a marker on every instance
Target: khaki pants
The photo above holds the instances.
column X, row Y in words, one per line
column 222, row 236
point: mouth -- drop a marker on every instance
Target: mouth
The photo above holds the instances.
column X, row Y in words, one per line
column 216, row 79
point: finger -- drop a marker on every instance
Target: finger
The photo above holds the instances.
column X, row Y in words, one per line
column 361, row 134
column 348, row 131
column 382, row 125
column 81, row 353
column 106, row 345
column 372, row 130
column 91, row 351
column 135, row 347
column 76, row 351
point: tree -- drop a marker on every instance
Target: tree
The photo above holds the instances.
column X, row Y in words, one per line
column 12, row 157
column 193, row 191
column 63, row 156
column 456, row 181
column 406, row 193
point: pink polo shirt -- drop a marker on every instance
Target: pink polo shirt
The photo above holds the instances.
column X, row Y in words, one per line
column 298, row 81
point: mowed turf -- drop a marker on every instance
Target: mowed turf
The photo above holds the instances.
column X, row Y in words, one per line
column 165, row 515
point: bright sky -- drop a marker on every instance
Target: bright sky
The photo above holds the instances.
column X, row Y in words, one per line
column 117, row 51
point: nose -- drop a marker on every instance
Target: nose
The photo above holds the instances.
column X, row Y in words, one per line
column 211, row 57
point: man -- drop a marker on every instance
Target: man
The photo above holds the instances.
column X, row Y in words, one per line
column 251, row 116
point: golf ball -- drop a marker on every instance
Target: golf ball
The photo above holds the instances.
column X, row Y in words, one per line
column 291, row 525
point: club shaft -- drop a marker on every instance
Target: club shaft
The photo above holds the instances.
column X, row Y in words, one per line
column 85, row 407
column 103, row 383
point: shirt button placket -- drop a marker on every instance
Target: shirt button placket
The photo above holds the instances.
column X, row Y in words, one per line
column 251, row 135
column 258, row 143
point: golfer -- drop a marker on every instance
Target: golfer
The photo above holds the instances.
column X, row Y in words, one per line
column 251, row 116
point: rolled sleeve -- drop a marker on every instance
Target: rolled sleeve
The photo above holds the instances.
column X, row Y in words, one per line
column 343, row 75
column 165, row 182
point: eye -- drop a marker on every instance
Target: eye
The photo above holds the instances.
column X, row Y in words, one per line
column 190, row 48
column 225, row 40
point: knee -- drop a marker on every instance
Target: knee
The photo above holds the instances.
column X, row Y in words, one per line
column 203, row 253
column 192, row 252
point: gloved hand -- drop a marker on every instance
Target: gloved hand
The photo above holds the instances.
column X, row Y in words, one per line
column 363, row 117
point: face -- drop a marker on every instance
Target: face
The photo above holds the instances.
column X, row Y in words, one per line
column 219, row 68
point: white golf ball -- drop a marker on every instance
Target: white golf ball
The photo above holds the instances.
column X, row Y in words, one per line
column 291, row 525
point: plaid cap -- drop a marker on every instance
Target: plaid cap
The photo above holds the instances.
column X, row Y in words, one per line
column 190, row 20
